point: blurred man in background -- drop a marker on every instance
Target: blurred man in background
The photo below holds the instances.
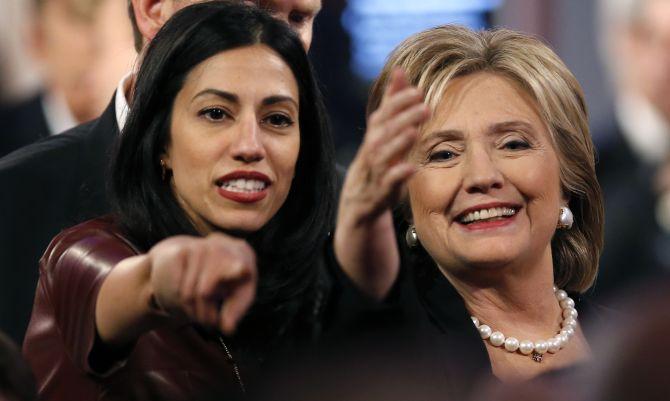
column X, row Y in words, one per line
column 635, row 39
column 81, row 48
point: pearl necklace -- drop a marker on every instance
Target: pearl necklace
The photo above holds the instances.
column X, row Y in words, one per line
column 539, row 348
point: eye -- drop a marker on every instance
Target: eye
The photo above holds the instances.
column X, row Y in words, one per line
column 441, row 155
column 516, row 144
column 297, row 18
column 214, row 113
column 279, row 120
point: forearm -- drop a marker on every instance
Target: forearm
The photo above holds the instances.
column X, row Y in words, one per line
column 367, row 252
column 123, row 309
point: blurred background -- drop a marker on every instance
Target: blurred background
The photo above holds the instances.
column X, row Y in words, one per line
column 352, row 40
column 60, row 62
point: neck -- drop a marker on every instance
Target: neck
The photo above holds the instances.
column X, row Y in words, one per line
column 517, row 299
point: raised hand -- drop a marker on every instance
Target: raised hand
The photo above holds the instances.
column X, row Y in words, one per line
column 365, row 243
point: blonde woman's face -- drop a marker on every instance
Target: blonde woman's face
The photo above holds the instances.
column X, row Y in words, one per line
column 487, row 191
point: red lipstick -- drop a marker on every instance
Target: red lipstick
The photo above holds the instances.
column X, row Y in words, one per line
column 243, row 195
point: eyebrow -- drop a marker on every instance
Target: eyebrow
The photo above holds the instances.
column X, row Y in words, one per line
column 268, row 101
column 231, row 97
column 497, row 128
column 516, row 125
column 446, row 135
column 219, row 93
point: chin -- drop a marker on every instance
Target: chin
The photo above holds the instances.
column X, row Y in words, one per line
column 490, row 257
column 488, row 261
column 241, row 224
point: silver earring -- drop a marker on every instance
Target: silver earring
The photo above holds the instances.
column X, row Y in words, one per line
column 565, row 218
column 410, row 237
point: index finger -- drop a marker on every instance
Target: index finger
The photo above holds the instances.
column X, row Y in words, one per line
column 397, row 82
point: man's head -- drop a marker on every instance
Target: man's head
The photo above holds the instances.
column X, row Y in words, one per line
column 82, row 49
column 148, row 16
column 636, row 38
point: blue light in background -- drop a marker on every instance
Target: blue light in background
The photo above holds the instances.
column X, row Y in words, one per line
column 377, row 26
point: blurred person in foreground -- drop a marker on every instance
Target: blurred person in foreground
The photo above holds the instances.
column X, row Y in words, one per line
column 61, row 181
column 634, row 146
column 223, row 190
column 82, row 48
column 502, row 212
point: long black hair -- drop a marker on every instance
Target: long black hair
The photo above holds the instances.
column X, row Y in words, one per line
column 145, row 206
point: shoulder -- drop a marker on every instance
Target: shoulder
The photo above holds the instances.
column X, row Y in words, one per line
column 98, row 244
column 69, row 147
column 50, row 151
column 22, row 123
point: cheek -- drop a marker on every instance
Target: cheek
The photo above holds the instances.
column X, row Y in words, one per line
column 544, row 178
column 431, row 191
column 285, row 152
column 191, row 159
column 540, row 184
column 287, row 155
column 430, row 197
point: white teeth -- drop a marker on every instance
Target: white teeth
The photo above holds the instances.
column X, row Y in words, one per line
column 242, row 185
column 485, row 214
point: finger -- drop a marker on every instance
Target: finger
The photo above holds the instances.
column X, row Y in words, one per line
column 397, row 82
column 207, row 299
column 396, row 149
column 240, row 298
column 412, row 117
column 191, row 273
column 397, row 102
column 393, row 181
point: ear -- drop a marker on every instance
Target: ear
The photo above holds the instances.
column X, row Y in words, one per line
column 565, row 200
column 165, row 158
column 150, row 16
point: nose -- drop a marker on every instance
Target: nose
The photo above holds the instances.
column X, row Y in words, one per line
column 481, row 174
column 248, row 147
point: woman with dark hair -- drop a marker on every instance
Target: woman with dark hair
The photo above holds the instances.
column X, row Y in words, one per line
column 223, row 180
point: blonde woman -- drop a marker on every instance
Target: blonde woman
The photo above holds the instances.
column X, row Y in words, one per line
column 502, row 209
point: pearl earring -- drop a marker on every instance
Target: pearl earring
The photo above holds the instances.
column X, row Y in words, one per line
column 566, row 218
column 411, row 238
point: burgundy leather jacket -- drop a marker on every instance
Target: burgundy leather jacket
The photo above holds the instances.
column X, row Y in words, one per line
column 176, row 363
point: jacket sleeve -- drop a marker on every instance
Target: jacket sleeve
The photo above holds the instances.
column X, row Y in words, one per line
column 72, row 271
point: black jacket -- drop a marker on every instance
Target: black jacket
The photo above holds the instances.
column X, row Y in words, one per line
column 633, row 238
column 46, row 187
column 21, row 124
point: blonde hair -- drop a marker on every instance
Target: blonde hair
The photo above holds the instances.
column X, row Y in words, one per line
column 432, row 58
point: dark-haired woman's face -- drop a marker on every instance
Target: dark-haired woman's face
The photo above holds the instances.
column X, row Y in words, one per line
column 234, row 139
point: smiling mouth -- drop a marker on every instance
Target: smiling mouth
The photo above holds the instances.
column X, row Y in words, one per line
column 242, row 185
column 485, row 215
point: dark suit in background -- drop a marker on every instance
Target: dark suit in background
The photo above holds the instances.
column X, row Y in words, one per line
column 46, row 187
column 632, row 235
column 21, row 124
